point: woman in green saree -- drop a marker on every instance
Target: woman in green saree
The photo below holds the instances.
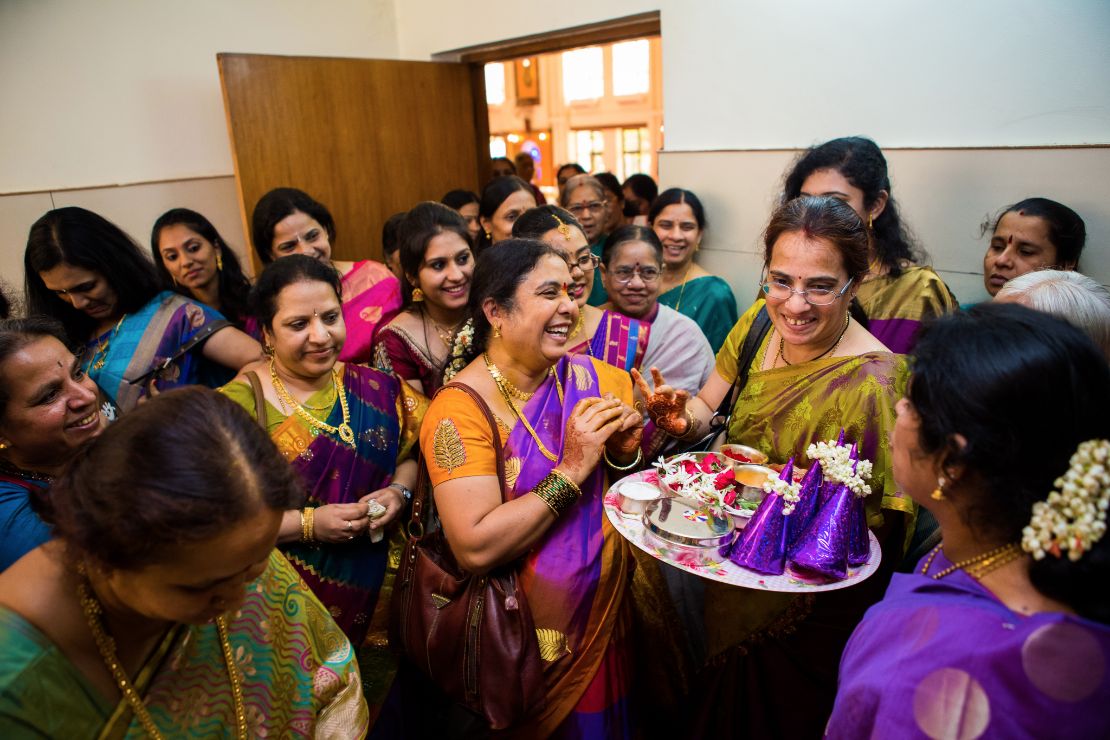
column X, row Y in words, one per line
column 816, row 372
column 161, row 609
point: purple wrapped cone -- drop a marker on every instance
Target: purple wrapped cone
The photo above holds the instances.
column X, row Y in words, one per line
column 859, row 543
column 809, row 500
column 823, row 547
column 762, row 544
column 840, row 438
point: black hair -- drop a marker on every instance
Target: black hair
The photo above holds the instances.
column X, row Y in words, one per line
column 498, row 273
column 994, row 375
column 423, row 223
column 535, row 222
column 862, row 163
column 390, row 243
column 278, row 204
column 610, row 182
column 5, row 305
column 493, row 195
column 1066, row 229
column 234, row 287
column 458, row 198
column 631, row 233
column 674, row 196
column 15, row 334
column 578, row 169
column 279, row 274
column 510, row 162
column 822, row 217
column 85, row 239
column 643, row 186
column 181, row 468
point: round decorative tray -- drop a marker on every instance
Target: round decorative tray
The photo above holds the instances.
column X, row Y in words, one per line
column 701, row 557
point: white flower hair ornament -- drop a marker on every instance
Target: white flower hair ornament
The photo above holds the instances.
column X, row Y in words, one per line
column 464, row 339
column 1073, row 518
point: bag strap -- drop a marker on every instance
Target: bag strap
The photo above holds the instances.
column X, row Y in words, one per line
column 423, row 484
column 756, row 332
column 259, row 398
column 194, row 341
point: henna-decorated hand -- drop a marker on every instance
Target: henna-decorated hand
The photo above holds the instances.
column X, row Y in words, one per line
column 665, row 405
column 592, row 422
column 625, row 440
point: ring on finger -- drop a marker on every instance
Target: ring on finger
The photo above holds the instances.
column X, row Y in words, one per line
column 349, row 526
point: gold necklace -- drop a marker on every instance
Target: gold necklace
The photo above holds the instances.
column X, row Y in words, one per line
column 978, row 566
column 343, row 431
column 106, row 646
column 847, row 320
column 500, row 381
column 100, row 355
column 446, row 335
column 682, row 290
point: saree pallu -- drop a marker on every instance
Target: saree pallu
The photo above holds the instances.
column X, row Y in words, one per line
column 708, row 300
column 371, row 298
column 21, row 529
column 145, row 339
column 397, row 352
column 897, row 306
column 297, row 672
column 780, row 651
column 619, row 341
column 576, row 579
column 946, row 658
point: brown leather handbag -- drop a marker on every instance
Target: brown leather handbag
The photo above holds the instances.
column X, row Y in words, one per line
column 472, row 634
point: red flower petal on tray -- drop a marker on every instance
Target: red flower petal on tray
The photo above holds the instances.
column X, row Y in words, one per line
column 730, row 497
column 708, row 463
column 651, row 477
column 724, row 480
column 691, row 467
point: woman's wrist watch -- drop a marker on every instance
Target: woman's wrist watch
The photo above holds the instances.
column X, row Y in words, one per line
column 405, row 491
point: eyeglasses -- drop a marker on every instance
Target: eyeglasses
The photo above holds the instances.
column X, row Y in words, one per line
column 780, row 291
column 624, row 275
column 585, row 263
column 596, row 207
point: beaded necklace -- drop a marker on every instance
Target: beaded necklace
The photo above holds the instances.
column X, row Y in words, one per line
column 978, row 566
column 106, row 646
column 830, row 350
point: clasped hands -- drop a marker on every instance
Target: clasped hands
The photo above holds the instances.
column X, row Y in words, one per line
column 665, row 406
column 598, row 425
column 334, row 523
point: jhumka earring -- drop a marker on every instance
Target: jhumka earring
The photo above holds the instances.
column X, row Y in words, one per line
column 870, row 220
column 489, row 236
column 938, row 492
column 417, row 295
column 496, row 332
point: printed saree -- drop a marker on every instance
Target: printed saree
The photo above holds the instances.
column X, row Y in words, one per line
column 297, row 671
column 708, row 300
column 619, row 341
column 575, row 580
column 371, row 298
column 780, row 651
column 946, row 658
column 897, row 306
column 145, row 339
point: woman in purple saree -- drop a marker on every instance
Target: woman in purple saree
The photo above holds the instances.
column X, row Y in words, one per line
column 1004, row 629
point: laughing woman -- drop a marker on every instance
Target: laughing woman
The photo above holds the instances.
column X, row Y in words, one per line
column 287, row 221
column 437, row 264
column 82, row 270
column 557, row 421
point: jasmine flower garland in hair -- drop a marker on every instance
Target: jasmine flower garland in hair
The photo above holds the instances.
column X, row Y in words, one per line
column 464, row 339
column 1073, row 518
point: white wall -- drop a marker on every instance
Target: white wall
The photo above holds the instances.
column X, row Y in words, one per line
column 124, row 91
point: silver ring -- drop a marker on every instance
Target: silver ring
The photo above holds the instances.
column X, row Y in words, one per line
column 350, row 536
column 349, row 525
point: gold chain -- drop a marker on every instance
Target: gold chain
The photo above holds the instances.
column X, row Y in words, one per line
column 100, row 354
column 343, row 431
column 978, row 566
column 107, row 648
column 682, row 290
column 501, row 383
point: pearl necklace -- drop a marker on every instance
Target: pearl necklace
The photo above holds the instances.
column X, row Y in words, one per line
column 343, row 431
column 106, row 646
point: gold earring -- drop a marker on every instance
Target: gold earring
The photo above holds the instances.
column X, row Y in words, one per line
column 870, row 220
column 268, row 349
column 417, row 295
column 496, row 332
column 219, row 261
column 3, row 445
column 938, row 492
column 489, row 236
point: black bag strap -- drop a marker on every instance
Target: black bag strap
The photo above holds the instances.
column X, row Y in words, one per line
column 194, row 341
column 759, row 328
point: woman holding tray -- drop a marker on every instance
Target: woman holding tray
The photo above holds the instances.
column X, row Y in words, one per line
column 1003, row 630
column 816, row 371
column 560, row 422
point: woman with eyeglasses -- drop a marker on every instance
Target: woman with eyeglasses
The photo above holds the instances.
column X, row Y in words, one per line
column 584, row 197
column 678, row 219
column 816, row 371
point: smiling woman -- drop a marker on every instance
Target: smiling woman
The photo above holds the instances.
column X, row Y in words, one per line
column 162, row 609
column 48, row 409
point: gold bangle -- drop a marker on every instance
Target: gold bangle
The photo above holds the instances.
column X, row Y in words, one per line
column 629, row 466
column 308, row 525
column 557, row 491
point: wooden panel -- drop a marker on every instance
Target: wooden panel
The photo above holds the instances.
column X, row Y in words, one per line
column 365, row 137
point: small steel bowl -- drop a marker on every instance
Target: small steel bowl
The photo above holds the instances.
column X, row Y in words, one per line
column 754, row 456
column 750, row 480
column 635, row 496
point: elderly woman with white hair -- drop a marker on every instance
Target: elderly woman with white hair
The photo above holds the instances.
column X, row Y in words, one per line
column 1067, row 294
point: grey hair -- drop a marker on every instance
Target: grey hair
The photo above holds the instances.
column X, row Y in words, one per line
column 578, row 181
column 1069, row 295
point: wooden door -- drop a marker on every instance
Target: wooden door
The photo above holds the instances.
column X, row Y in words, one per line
column 365, row 137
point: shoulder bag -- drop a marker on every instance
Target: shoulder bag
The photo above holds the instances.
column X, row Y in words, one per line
column 473, row 635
